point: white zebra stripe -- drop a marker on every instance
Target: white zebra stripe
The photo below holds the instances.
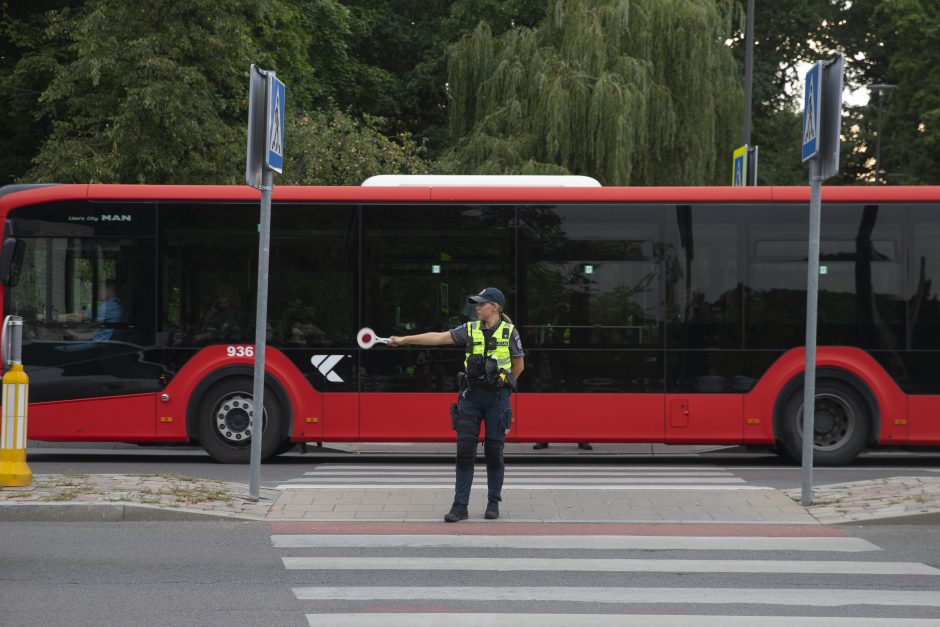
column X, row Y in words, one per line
column 839, row 544
column 804, row 597
column 383, row 467
column 558, row 480
column 553, row 486
column 513, row 472
column 436, row 619
column 457, row 564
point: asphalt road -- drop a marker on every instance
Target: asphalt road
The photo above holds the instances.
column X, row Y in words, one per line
column 232, row 574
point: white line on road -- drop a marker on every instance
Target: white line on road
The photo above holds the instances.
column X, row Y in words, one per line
column 454, row 619
column 518, row 472
column 803, row 597
column 610, row 543
column 552, row 486
column 564, row 480
column 525, row 486
column 383, row 467
column 456, row 564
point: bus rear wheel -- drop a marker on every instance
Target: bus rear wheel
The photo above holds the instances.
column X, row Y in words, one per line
column 841, row 424
column 224, row 421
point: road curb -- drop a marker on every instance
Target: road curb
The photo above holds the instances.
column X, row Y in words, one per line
column 922, row 518
column 107, row 512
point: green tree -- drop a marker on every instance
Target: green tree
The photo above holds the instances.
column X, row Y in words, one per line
column 334, row 148
column 642, row 92
column 155, row 91
column 785, row 35
column 28, row 60
column 884, row 41
column 910, row 145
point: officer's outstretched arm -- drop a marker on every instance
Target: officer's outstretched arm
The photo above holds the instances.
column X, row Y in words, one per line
column 444, row 338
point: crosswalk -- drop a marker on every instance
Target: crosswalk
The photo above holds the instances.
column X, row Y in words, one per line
column 474, row 577
column 528, row 477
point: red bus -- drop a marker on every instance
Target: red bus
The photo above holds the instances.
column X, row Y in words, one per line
column 671, row 315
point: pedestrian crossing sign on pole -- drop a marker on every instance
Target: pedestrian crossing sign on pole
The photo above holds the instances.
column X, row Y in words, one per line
column 739, row 167
column 812, row 106
column 274, row 151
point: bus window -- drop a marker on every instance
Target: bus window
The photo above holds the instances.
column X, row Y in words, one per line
column 593, row 275
column 419, row 265
column 79, row 289
column 704, row 301
column 861, row 278
column 313, row 278
column 208, row 261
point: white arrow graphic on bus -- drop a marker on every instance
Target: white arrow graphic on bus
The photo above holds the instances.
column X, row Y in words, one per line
column 325, row 364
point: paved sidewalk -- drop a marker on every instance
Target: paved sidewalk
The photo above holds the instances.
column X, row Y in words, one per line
column 522, row 505
column 104, row 497
column 911, row 499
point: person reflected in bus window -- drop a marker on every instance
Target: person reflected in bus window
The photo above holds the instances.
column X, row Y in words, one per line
column 109, row 313
column 493, row 361
column 296, row 334
column 303, row 333
column 221, row 321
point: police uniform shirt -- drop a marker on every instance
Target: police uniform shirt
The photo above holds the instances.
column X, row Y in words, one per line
column 461, row 336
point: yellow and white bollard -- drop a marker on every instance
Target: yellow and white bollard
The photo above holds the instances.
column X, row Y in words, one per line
column 13, row 468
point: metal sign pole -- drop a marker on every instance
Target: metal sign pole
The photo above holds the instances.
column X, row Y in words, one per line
column 812, row 292
column 265, row 157
column 822, row 122
column 261, row 333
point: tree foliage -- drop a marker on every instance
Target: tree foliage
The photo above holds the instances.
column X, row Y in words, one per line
column 630, row 91
column 636, row 92
column 334, row 148
column 154, row 91
column 884, row 42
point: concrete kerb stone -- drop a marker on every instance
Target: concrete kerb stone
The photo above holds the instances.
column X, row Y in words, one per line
column 890, row 500
column 117, row 497
column 106, row 512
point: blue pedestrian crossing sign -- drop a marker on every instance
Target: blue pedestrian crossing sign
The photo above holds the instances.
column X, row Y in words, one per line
column 274, row 144
column 812, row 107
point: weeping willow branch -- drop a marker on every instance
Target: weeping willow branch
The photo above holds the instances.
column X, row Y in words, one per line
column 632, row 92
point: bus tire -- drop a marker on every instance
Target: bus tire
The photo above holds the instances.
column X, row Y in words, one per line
column 223, row 417
column 842, row 422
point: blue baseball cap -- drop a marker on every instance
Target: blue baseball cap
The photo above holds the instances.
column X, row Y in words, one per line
column 489, row 295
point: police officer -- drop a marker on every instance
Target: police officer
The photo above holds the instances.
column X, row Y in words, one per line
column 492, row 364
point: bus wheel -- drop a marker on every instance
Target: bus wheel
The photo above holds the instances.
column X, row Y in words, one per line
column 841, row 423
column 224, row 417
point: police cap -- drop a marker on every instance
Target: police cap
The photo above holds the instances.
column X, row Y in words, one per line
column 489, row 295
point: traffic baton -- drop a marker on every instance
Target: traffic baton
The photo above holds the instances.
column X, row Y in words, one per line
column 367, row 338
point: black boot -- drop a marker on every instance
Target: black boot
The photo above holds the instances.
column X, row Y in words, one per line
column 492, row 510
column 457, row 512
column 540, row 445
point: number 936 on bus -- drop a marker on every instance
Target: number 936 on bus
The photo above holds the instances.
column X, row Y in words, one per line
column 240, row 351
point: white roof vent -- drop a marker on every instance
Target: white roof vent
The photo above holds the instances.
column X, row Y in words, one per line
column 481, row 180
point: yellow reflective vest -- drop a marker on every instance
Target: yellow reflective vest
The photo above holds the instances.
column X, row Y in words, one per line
column 477, row 343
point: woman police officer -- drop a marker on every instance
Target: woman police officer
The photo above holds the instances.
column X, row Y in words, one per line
column 492, row 364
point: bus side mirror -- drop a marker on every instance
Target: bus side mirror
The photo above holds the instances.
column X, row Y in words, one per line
column 11, row 261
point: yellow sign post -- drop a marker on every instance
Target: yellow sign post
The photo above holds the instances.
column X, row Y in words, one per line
column 739, row 167
column 13, row 468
